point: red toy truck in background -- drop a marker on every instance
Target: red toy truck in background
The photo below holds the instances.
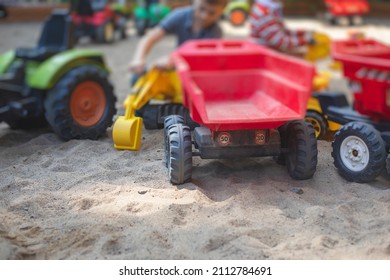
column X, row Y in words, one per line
column 361, row 147
column 345, row 12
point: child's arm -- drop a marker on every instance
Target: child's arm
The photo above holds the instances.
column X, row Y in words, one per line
column 137, row 65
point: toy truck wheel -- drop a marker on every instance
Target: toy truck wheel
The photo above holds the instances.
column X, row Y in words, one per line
column 168, row 122
column 237, row 17
column 301, row 159
column 342, row 21
column 388, row 164
column 106, row 32
column 82, row 104
column 180, row 154
column 359, row 152
column 318, row 122
column 356, row 20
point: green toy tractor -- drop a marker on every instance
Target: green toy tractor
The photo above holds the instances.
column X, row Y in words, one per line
column 237, row 11
column 53, row 83
column 148, row 13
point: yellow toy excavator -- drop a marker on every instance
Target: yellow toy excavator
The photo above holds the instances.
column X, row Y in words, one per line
column 157, row 85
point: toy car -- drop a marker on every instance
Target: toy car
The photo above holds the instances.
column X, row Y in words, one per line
column 237, row 11
column 52, row 82
column 248, row 102
column 344, row 12
column 361, row 146
column 99, row 20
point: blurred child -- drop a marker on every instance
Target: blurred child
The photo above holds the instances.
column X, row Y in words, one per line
column 267, row 27
column 198, row 21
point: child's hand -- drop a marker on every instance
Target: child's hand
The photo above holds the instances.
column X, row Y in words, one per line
column 137, row 67
column 163, row 63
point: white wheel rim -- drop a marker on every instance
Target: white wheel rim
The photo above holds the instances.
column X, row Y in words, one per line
column 354, row 153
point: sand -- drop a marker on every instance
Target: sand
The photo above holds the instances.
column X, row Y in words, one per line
column 86, row 200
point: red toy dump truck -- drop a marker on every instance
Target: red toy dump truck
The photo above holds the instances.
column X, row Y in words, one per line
column 361, row 146
column 249, row 101
column 345, row 12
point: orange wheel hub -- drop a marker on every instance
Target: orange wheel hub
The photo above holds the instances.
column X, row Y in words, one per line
column 237, row 17
column 87, row 103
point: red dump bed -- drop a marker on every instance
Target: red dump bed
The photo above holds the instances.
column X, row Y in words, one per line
column 347, row 7
column 366, row 63
column 236, row 84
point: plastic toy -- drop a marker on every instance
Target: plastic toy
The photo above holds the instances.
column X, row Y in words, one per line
column 51, row 82
column 345, row 12
column 362, row 144
column 237, row 11
column 148, row 13
column 247, row 104
column 99, row 20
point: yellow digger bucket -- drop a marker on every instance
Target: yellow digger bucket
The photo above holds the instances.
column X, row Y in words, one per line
column 320, row 50
column 156, row 84
column 127, row 130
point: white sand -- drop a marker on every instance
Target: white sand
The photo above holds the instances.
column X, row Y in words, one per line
column 86, row 200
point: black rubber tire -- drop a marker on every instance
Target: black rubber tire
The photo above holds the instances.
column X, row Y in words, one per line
column 388, row 164
column 28, row 122
column 101, row 35
column 318, row 122
column 180, row 154
column 57, row 104
column 153, row 115
column 150, row 115
column 168, row 122
column 301, row 159
column 376, row 149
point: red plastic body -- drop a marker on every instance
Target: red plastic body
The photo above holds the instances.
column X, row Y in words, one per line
column 366, row 64
column 97, row 19
column 236, row 84
column 347, row 7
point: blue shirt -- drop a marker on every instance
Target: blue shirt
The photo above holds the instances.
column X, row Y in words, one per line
column 179, row 23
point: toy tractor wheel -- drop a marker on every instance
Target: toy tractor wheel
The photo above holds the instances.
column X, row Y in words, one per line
column 180, row 154
column 237, row 17
column 82, row 104
column 106, row 32
column 359, row 152
column 168, row 122
column 318, row 122
column 28, row 122
column 301, row 159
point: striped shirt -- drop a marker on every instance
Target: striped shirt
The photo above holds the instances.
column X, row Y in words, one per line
column 267, row 28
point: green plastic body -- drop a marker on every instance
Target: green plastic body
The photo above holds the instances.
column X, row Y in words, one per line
column 6, row 60
column 155, row 13
column 240, row 4
column 45, row 75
